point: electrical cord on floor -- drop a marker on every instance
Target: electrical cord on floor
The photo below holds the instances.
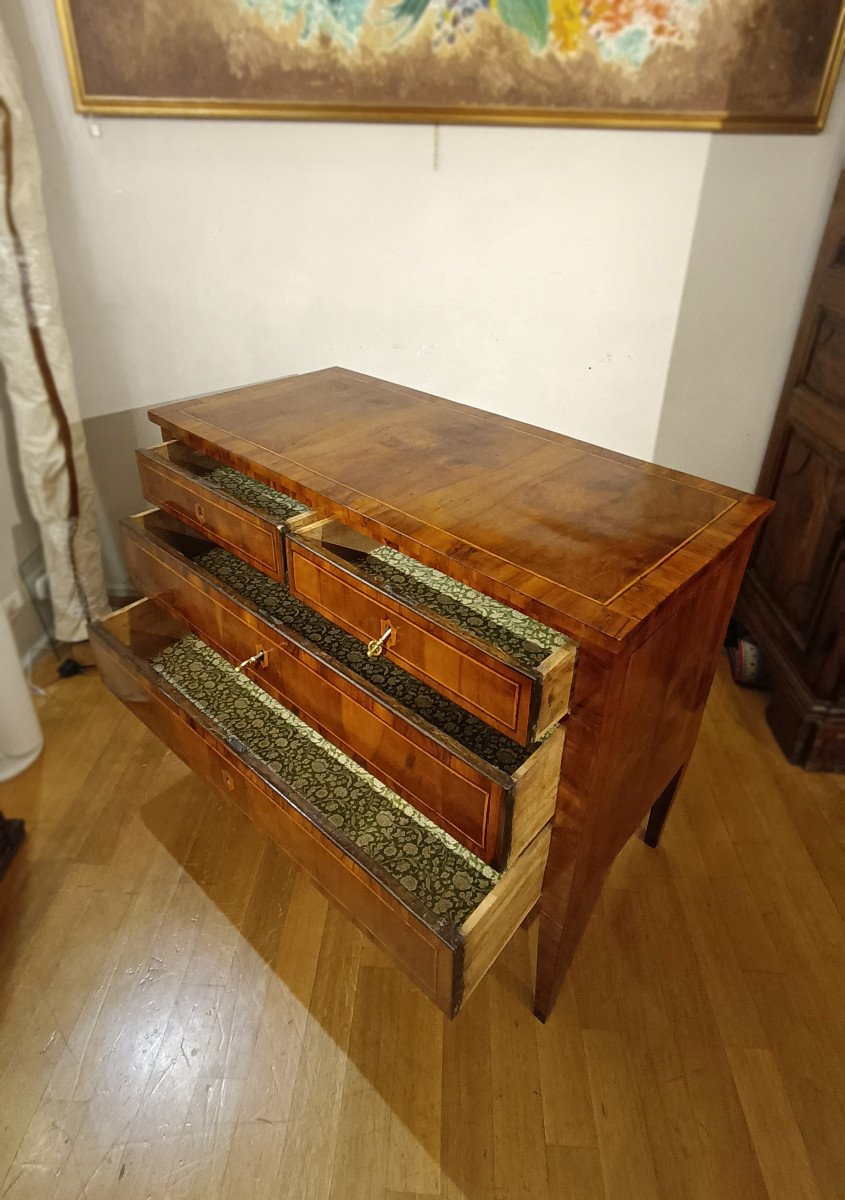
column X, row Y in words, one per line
column 71, row 667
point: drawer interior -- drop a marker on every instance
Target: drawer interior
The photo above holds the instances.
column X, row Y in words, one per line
column 520, row 637
column 440, row 873
column 234, row 484
column 438, row 909
column 274, row 601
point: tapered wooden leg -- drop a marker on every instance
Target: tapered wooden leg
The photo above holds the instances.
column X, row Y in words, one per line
column 556, row 946
column 573, row 885
column 633, row 724
column 660, row 811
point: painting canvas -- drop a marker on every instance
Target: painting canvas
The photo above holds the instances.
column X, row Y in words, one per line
column 736, row 64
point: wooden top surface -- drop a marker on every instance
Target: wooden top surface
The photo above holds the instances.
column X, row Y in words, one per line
column 587, row 540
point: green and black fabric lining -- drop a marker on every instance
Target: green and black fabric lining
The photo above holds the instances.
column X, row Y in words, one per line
column 523, row 638
column 256, row 495
column 526, row 640
column 274, row 600
column 442, row 874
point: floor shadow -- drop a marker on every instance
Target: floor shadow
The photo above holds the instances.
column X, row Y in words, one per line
column 383, row 1003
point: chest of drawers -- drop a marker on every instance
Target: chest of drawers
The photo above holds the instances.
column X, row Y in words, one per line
column 448, row 661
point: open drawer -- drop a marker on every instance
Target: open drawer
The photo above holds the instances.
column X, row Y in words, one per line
column 235, row 511
column 437, row 909
column 509, row 670
column 488, row 792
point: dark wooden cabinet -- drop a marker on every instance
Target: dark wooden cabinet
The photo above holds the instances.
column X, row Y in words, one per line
column 793, row 596
column 448, row 661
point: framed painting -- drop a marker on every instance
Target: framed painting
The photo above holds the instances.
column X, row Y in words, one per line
column 696, row 64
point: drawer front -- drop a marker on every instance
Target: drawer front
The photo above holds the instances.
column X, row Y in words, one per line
column 475, row 807
column 445, row 961
column 246, row 533
column 491, row 689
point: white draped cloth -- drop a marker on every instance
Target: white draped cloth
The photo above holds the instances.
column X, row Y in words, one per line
column 37, row 364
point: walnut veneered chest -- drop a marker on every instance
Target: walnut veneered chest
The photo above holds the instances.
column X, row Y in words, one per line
column 448, row 661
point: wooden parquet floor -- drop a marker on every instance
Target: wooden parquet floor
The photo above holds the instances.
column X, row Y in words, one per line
column 183, row 1016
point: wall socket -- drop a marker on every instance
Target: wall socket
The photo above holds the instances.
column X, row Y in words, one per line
column 41, row 586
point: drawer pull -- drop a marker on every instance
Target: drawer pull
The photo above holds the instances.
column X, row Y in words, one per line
column 377, row 645
column 199, row 512
column 256, row 660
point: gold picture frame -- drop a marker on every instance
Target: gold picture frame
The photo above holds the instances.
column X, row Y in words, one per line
column 108, row 78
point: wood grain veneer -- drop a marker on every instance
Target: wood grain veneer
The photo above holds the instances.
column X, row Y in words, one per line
column 492, row 811
column 586, row 540
column 174, row 477
column 520, row 701
column 638, row 564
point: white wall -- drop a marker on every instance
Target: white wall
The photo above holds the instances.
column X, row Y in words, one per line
column 538, row 272
column 541, row 273
column 763, row 208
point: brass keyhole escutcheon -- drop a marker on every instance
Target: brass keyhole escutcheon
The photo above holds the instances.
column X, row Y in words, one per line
column 377, row 645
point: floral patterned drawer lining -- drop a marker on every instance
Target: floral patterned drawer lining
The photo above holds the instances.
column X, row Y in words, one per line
column 526, row 640
column 444, row 876
column 256, row 495
column 520, row 636
column 275, row 601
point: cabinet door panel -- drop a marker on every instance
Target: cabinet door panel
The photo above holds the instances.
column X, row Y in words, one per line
column 801, row 534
